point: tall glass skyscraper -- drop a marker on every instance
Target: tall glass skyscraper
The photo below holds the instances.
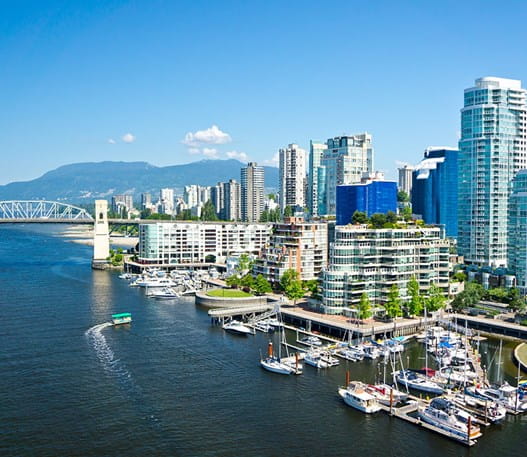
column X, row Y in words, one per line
column 434, row 188
column 492, row 149
column 517, row 251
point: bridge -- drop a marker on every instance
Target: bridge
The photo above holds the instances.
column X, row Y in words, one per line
column 42, row 211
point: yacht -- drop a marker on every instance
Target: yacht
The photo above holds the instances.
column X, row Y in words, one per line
column 311, row 341
column 356, row 396
column 371, row 351
column 263, row 326
column 122, row 318
column 353, row 353
column 491, row 410
column 328, row 359
column 457, row 375
column 413, row 380
column 166, row 293
column 440, row 415
column 237, row 328
column 505, row 395
column 314, row 359
column 386, row 394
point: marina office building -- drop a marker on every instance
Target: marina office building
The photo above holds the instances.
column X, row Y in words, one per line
column 192, row 242
column 297, row 245
column 372, row 260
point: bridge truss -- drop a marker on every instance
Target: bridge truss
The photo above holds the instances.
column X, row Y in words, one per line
column 42, row 210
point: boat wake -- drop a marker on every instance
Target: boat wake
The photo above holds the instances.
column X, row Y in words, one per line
column 115, row 368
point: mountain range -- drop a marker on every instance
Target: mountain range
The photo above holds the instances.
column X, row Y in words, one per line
column 84, row 182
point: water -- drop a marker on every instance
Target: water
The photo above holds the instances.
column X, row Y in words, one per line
column 170, row 383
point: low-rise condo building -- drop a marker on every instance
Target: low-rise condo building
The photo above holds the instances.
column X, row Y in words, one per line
column 192, row 242
column 294, row 245
column 363, row 259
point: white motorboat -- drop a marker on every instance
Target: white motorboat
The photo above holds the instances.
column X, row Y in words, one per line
column 457, row 375
column 447, row 420
column 505, row 395
column 487, row 408
column 237, row 328
column 166, row 293
column 314, row 359
column 264, row 327
column 356, row 396
column 371, row 351
column 413, row 380
column 353, row 353
column 311, row 341
column 274, row 322
column 327, row 358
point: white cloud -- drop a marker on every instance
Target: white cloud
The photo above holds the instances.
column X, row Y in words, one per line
column 111, row 141
column 210, row 152
column 212, row 135
column 238, row 155
column 274, row 161
column 194, row 150
column 128, row 138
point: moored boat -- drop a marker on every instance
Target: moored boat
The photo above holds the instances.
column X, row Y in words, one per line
column 356, row 396
column 237, row 327
column 417, row 381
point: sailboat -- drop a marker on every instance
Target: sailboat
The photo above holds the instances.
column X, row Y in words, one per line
column 276, row 364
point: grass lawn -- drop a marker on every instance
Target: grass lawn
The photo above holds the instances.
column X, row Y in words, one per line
column 228, row 293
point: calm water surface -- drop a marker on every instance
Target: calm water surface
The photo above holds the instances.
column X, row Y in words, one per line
column 170, row 383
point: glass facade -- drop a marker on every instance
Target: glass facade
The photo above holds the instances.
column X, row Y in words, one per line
column 434, row 188
column 492, row 149
column 517, row 251
column 370, row 198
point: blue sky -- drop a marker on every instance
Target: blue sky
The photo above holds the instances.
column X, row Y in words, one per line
column 135, row 80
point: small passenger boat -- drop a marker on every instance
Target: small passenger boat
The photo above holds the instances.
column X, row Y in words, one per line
column 122, row 318
column 356, row 396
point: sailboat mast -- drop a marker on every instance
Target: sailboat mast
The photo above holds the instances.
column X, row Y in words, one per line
column 499, row 362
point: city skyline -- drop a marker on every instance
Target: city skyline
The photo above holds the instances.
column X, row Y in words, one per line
column 171, row 84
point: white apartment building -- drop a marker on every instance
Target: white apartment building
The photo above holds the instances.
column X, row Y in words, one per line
column 372, row 260
column 166, row 200
column 192, row 242
column 294, row 245
column 292, row 176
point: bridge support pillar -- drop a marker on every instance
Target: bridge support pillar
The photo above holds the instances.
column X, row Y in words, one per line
column 101, row 236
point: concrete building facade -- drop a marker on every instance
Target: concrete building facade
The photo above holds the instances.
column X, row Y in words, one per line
column 252, row 192
column 292, row 177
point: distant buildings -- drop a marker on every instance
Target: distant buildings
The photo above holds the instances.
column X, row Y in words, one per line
column 297, row 245
column 405, row 179
column 192, row 242
column 343, row 161
column 492, row 149
column 517, row 224
column 231, row 210
column 434, row 195
column 372, row 195
column 292, row 177
column 166, row 201
column 252, row 192
column 370, row 261
column 146, row 201
column 122, row 203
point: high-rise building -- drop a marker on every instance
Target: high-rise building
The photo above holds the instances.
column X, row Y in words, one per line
column 166, row 200
column 405, row 178
column 492, row 149
column 517, row 241
column 345, row 160
column 434, row 191
column 121, row 203
column 371, row 261
column 292, row 176
column 316, row 149
column 252, row 192
column 373, row 195
column 218, row 198
column 146, row 200
column 231, row 201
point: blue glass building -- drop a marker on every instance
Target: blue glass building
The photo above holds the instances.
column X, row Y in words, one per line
column 370, row 198
column 434, row 189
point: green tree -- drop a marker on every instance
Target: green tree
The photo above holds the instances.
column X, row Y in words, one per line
column 415, row 305
column 287, row 278
column 393, row 304
column 210, row 258
column 145, row 213
column 472, row 294
column 359, row 218
column 288, row 211
column 208, row 212
column 294, row 290
column 378, row 220
column 233, row 281
column 403, row 197
column 261, row 285
column 435, row 299
column 516, row 301
column 391, row 217
column 406, row 213
column 264, row 216
column 312, row 286
column 245, row 264
column 364, row 306
column 459, row 276
column 248, row 281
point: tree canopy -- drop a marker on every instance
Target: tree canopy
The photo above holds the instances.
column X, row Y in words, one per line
column 364, row 306
column 393, row 304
